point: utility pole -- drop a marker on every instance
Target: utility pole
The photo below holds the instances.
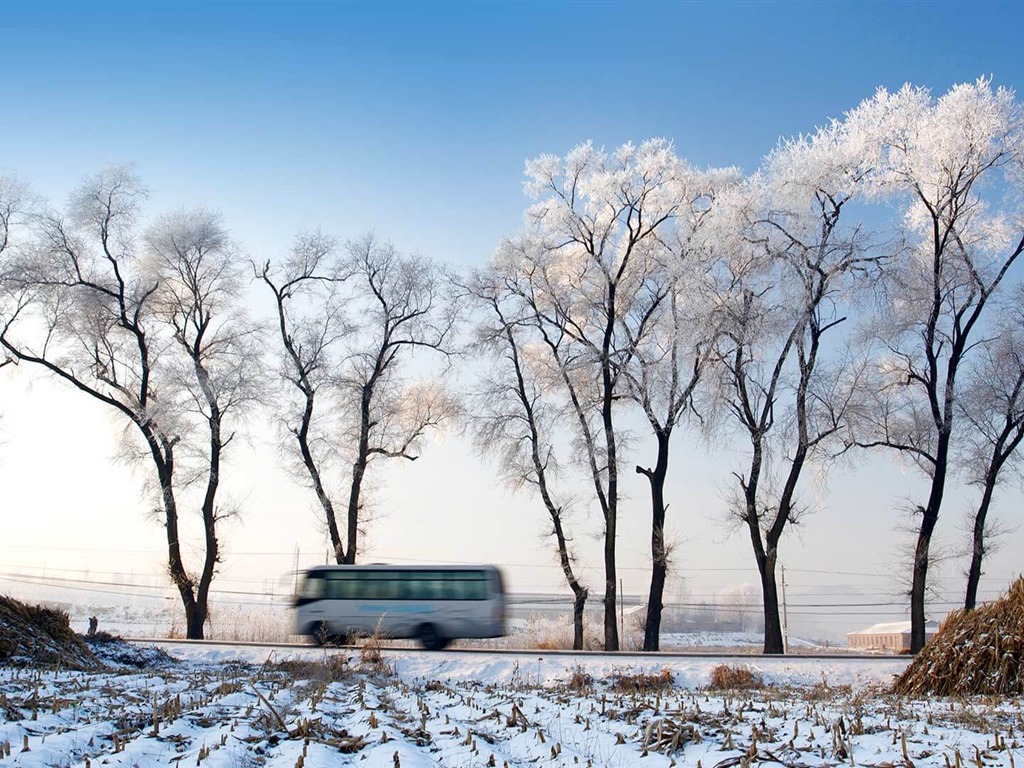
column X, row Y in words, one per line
column 622, row 614
column 785, row 617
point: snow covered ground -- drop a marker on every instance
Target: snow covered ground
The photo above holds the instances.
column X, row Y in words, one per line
column 226, row 707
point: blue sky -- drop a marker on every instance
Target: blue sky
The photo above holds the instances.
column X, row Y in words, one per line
column 414, row 120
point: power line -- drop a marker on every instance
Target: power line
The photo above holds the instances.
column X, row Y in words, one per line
column 70, row 583
column 272, row 599
column 17, row 580
column 835, row 609
column 682, row 570
column 133, row 585
column 115, row 573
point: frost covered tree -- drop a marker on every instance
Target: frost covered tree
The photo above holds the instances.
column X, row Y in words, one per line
column 992, row 403
column 213, row 369
column 670, row 355
column 371, row 309
column 514, row 413
column 782, row 294
column 94, row 313
column 14, row 205
column 949, row 162
column 400, row 305
column 585, row 271
column 311, row 326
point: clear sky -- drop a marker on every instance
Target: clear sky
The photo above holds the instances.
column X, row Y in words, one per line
column 414, row 120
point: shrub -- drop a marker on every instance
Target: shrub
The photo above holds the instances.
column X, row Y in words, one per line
column 370, row 653
column 726, row 677
column 579, row 680
column 641, row 682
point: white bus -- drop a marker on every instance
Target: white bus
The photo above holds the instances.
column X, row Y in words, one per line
column 435, row 604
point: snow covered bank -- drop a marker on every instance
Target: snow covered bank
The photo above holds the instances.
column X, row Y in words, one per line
column 224, row 707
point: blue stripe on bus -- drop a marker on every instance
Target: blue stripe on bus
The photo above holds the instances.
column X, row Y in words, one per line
column 392, row 608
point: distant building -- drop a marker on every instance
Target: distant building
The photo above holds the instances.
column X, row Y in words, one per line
column 893, row 637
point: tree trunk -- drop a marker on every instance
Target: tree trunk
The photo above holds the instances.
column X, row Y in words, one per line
column 579, row 592
column 765, row 557
column 302, row 436
column 929, row 518
column 195, row 620
column 359, row 471
column 209, row 522
column 652, row 625
column 1003, row 449
column 770, row 595
column 920, row 578
column 578, row 605
column 162, row 451
column 978, row 548
column 611, row 626
column 659, row 564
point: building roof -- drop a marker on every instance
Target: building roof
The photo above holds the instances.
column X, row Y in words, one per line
column 894, row 628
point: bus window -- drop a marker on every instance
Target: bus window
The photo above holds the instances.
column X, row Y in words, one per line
column 312, row 587
column 425, row 585
column 477, row 589
column 380, row 586
column 467, row 585
column 340, row 586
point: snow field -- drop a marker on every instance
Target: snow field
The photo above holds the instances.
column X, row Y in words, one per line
column 234, row 708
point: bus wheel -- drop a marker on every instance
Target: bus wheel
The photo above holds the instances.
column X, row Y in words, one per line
column 430, row 639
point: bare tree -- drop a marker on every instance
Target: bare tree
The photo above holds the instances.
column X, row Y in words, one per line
column 514, row 416
column 993, row 404
column 937, row 156
column 312, row 327
column 87, row 317
column 215, row 370
column 585, row 261
column 668, row 362
column 373, row 308
column 14, row 204
column 778, row 306
column 402, row 304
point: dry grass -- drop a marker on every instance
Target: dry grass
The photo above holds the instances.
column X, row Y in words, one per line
column 41, row 635
column 333, row 668
column 553, row 634
column 251, row 625
column 641, row 682
column 544, row 633
column 974, row 652
column 730, row 677
column 823, row 691
column 240, row 623
column 370, row 656
column 580, row 681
